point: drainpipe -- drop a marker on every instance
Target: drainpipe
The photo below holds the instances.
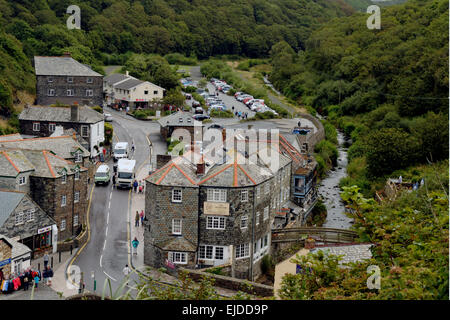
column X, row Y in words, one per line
column 253, row 234
column 73, row 199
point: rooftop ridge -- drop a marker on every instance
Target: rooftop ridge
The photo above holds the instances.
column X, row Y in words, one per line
column 10, row 161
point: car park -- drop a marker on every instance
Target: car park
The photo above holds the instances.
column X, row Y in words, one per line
column 244, row 96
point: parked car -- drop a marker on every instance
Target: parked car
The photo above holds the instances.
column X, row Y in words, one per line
column 198, row 110
column 244, row 96
column 195, row 104
column 247, row 99
column 188, row 96
column 257, row 107
column 108, row 117
column 200, row 117
column 215, row 126
column 250, row 102
column 238, row 94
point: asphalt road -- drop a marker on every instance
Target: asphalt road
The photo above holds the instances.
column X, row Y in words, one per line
column 106, row 254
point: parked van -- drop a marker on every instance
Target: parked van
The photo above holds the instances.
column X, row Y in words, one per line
column 121, row 150
column 125, row 173
column 102, row 175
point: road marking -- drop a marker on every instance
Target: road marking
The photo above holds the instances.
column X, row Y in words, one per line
column 109, row 205
column 110, row 195
column 106, row 231
column 101, row 257
column 104, row 246
column 107, row 218
column 88, row 239
column 109, row 276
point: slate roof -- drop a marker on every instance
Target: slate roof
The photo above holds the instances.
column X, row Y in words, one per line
column 13, row 162
column 64, row 146
column 351, row 253
column 60, row 114
column 178, row 244
column 116, row 77
column 128, row 84
column 62, row 66
column 9, row 201
column 174, row 120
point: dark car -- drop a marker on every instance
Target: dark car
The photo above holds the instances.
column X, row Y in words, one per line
column 215, row 126
column 200, row 117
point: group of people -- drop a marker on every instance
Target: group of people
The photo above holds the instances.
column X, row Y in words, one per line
column 138, row 187
column 139, row 217
column 240, row 114
column 22, row 281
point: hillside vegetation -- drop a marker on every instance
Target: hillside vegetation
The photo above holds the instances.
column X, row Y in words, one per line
column 386, row 89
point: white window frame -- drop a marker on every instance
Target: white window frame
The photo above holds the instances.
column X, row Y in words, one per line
column 63, row 201
column 217, row 195
column 77, row 174
column 30, row 214
column 70, row 92
column 78, row 157
column 244, row 196
column 177, row 257
column 257, row 218
column 242, row 251
column 51, row 92
column 22, row 180
column 177, row 195
column 267, row 188
column 89, row 80
column 36, row 126
column 64, row 178
column 50, row 79
column 215, row 223
column 19, row 218
column 177, row 225
column 63, row 225
column 258, row 192
column 76, row 197
column 85, row 131
column 89, row 93
column 51, row 127
column 219, row 249
column 244, row 218
column 266, row 213
column 75, row 220
column 69, row 79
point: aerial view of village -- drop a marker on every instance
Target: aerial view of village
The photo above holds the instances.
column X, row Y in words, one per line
column 234, row 150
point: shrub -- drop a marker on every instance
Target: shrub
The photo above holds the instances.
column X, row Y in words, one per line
column 221, row 114
column 190, row 89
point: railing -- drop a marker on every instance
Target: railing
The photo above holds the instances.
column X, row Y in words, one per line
column 326, row 235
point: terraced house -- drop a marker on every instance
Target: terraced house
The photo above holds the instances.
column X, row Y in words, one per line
column 42, row 122
column 57, row 185
column 210, row 214
column 66, row 81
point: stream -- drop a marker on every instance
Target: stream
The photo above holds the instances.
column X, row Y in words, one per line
column 329, row 190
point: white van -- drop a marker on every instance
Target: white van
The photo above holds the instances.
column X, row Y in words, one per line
column 125, row 173
column 121, row 150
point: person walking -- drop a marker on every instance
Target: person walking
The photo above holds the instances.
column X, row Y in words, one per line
column 26, row 279
column 49, row 275
column 141, row 215
column 36, row 280
column 46, row 258
column 132, row 146
column 135, row 244
column 45, row 275
column 114, row 180
column 135, row 185
column 141, row 187
column 126, row 271
column 136, row 219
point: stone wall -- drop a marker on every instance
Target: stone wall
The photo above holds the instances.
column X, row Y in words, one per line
column 257, row 289
column 312, row 139
column 60, row 84
column 5, row 253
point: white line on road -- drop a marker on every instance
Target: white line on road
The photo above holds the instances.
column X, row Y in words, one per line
column 109, row 276
column 107, row 218
column 104, row 245
column 110, row 195
column 106, row 231
column 109, row 205
column 101, row 257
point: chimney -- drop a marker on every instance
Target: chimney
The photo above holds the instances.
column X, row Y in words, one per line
column 67, row 54
column 200, row 168
column 126, row 73
column 74, row 116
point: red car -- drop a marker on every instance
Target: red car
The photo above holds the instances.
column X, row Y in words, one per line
column 246, row 99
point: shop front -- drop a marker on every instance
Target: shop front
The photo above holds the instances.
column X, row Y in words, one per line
column 42, row 241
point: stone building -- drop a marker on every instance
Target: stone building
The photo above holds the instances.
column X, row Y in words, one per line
column 5, row 255
column 57, row 185
column 203, row 213
column 20, row 256
column 22, row 219
column 181, row 120
column 66, row 81
column 42, row 122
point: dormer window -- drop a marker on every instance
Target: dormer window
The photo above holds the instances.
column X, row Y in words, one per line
column 64, row 178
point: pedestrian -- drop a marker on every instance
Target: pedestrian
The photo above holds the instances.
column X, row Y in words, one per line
column 26, row 280
column 135, row 185
column 135, row 244
column 142, row 217
column 46, row 258
column 232, row 108
column 36, row 280
column 141, row 187
column 132, row 146
column 45, row 275
column 49, row 275
column 114, row 180
column 136, row 219
column 126, row 271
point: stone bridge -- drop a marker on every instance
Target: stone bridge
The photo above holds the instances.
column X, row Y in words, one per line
column 324, row 235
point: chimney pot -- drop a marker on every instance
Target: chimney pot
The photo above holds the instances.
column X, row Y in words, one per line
column 126, row 73
column 200, row 168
